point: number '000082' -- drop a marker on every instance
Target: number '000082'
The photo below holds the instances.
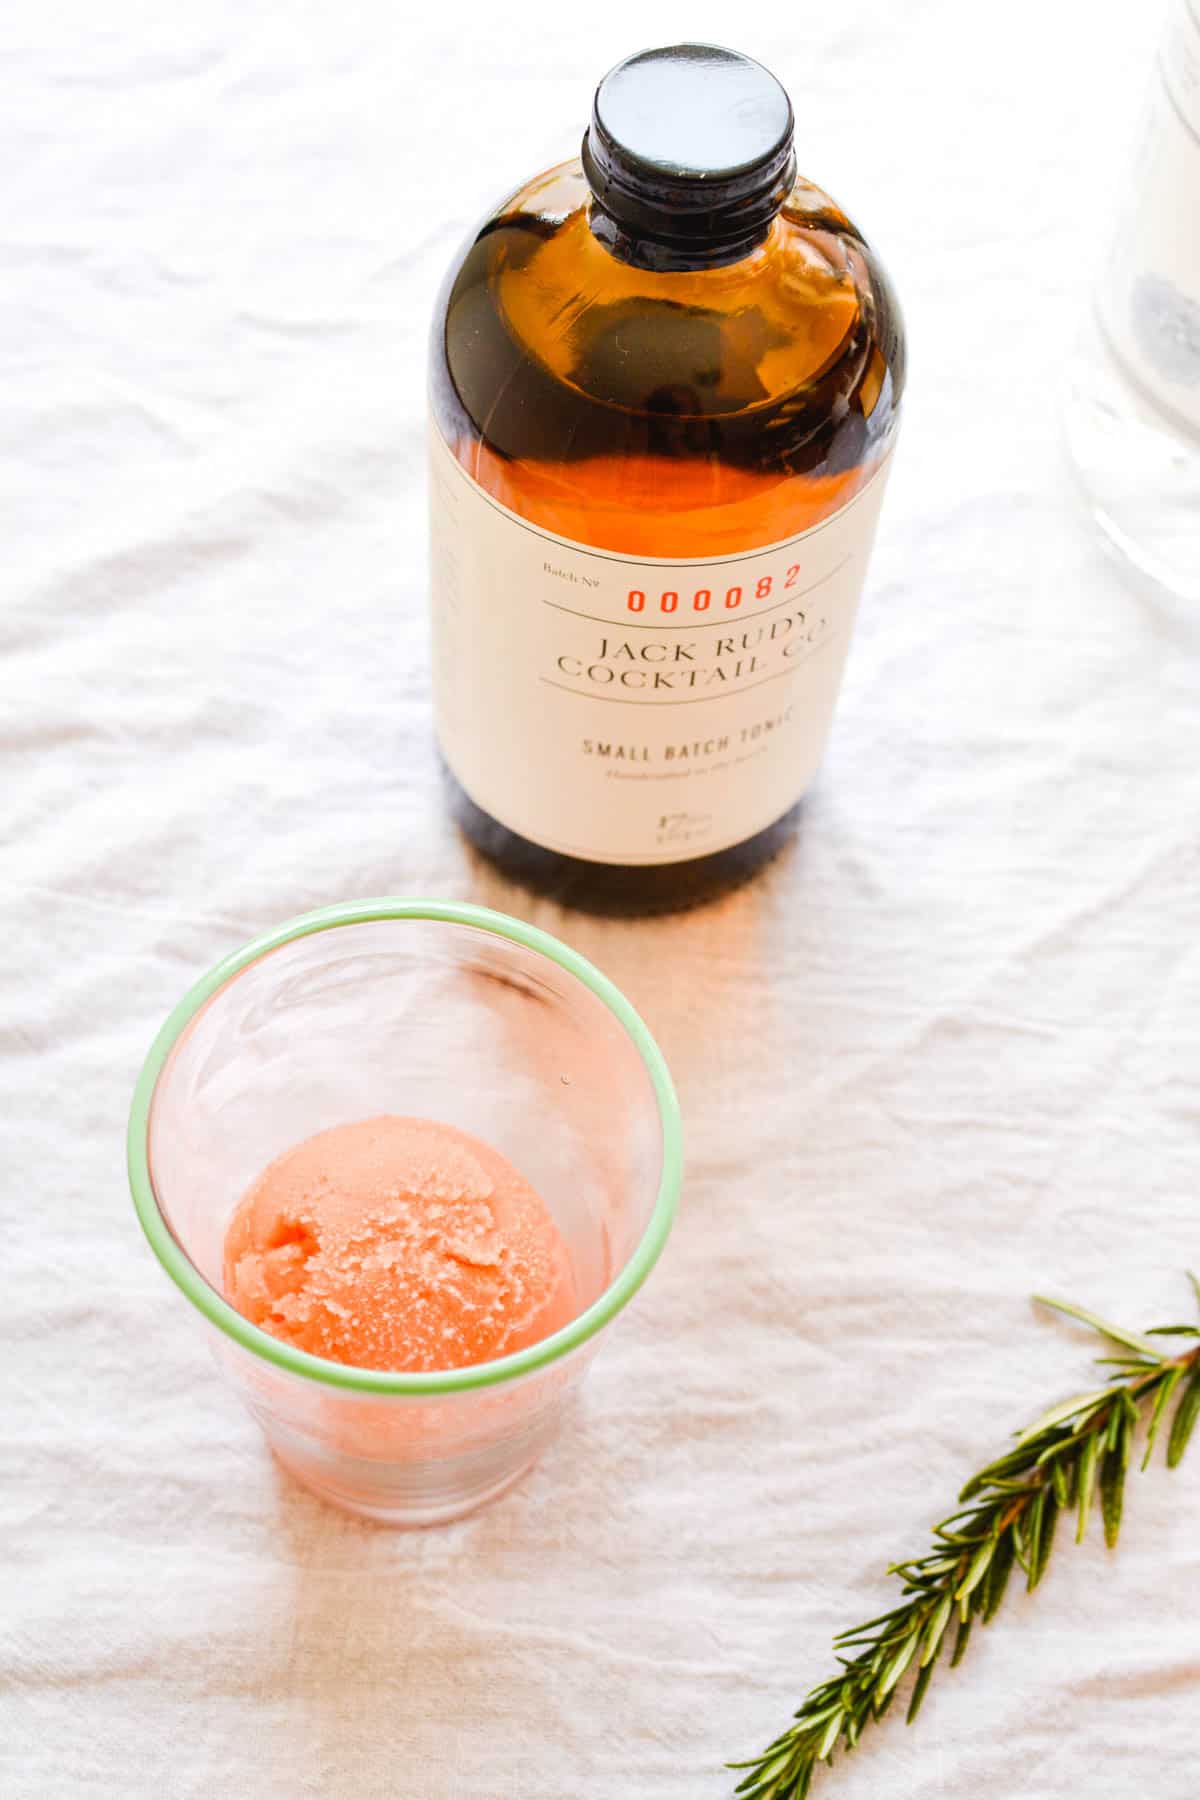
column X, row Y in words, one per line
column 671, row 600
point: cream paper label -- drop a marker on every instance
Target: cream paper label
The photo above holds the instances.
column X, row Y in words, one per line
column 633, row 711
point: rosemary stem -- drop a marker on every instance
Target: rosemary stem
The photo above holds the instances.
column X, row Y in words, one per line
column 1076, row 1452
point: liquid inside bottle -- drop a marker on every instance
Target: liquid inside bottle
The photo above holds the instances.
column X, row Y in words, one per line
column 665, row 381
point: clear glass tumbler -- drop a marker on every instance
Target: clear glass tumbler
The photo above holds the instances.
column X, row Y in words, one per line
column 424, row 1009
column 1132, row 413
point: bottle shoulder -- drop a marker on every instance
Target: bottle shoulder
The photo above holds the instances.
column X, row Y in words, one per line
column 540, row 322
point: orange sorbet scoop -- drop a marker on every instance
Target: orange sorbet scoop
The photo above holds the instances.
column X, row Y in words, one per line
column 398, row 1244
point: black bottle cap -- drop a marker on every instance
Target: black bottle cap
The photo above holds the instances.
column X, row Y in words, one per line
column 690, row 147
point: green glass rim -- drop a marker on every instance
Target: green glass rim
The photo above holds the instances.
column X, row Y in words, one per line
column 217, row 1310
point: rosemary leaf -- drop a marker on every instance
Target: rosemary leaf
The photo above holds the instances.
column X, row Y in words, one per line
column 1086, row 1483
column 1060, row 1482
column 896, row 1667
column 961, row 1639
column 936, row 1630
column 1162, row 1399
column 1185, row 1419
column 1058, row 1415
column 998, row 1573
column 977, row 1569
column 830, row 1737
column 918, row 1693
column 1112, row 1490
column 1131, row 1339
column 1046, row 1545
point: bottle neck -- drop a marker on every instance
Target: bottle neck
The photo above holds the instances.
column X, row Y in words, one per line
column 674, row 256
column 673, row 218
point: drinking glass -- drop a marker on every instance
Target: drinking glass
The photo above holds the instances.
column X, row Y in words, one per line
column 429, row 1009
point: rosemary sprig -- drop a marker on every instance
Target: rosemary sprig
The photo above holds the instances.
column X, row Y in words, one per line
column 1008, row 1514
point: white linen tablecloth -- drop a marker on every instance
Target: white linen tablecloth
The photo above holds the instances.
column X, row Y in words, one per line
column 942, row 1054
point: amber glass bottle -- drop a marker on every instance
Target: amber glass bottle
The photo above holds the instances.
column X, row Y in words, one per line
column 665, row 382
